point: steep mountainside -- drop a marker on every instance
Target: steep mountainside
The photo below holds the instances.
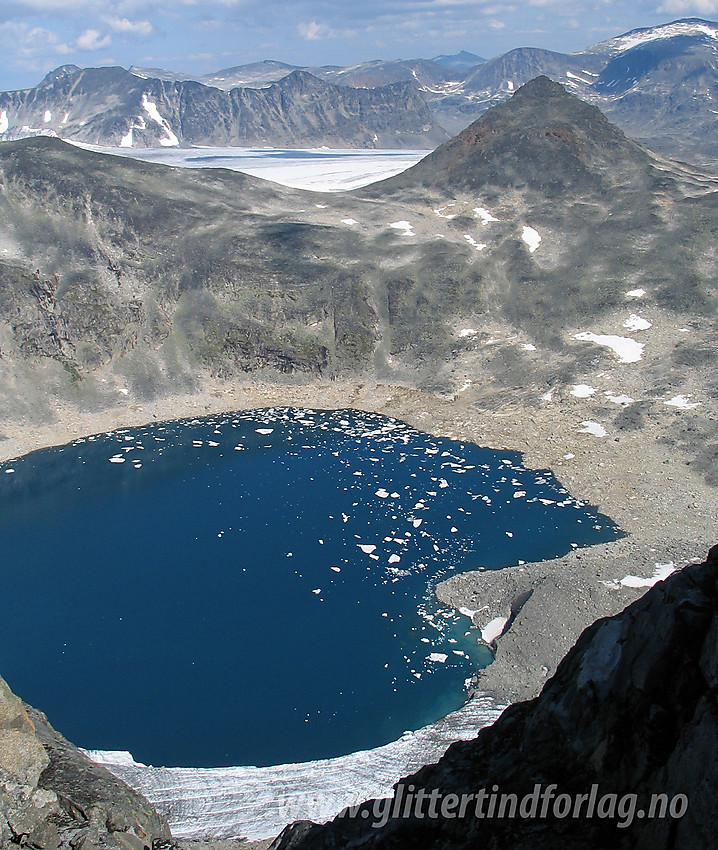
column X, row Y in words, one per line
column 632, row 709
column 111, row 106
column 494, row 257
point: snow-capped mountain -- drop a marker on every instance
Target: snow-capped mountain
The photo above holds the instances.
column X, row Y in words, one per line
column 659, row 84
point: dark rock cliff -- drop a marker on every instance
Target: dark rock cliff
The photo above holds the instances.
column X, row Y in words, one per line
column 632, row 709
column 52, row 797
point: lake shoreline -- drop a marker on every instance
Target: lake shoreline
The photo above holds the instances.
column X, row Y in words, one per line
column 626, row 479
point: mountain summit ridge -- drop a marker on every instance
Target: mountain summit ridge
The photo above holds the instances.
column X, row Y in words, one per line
column 543, row 138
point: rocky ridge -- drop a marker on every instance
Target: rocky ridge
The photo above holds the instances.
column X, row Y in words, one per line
column 111, row 106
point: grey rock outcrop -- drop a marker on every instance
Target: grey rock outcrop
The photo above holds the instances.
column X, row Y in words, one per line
column 632, row 709
column 52, row 797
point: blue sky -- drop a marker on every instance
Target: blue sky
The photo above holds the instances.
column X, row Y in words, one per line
column 199, row 36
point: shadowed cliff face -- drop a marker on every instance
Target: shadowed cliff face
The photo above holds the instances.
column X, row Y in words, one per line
column 52, row 797
column 632, row 708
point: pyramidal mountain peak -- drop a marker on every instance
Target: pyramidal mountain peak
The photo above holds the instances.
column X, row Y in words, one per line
column 541, row 139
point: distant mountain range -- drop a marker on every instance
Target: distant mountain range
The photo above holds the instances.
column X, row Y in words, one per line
column 660, row 85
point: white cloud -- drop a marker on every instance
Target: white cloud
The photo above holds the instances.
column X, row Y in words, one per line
column 312, row 31
column 26, row 44
column 92, row 40
column 143, row 28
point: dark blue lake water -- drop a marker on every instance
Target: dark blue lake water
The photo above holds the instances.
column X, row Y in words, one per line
column 258, row 588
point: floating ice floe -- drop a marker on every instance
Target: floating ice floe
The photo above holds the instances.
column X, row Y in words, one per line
column 264, row 431
column 636, row 293
column 681, row 402
column 439, row 657
column 628, row 350
column 405, row 226
column 531, row 237
column 595, row 428
column 382, row 493
column 367, row 548
column 636, row 323
column 484, row 215
column 494, row 629
column 582, row 391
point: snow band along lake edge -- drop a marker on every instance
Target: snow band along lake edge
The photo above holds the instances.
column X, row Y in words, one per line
column 380, row 496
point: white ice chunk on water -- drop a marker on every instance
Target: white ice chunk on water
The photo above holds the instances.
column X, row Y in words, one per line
column 264, row 431
column 367, row 548
column 439, row 657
